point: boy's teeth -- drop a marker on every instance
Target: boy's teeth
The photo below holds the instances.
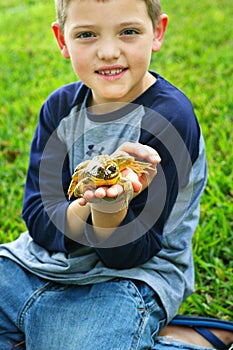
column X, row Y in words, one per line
column 111, row 72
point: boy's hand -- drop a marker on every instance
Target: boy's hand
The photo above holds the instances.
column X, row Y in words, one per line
column 139, row 151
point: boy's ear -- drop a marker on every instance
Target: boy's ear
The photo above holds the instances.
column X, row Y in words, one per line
column 60, row 39
column 159, row 32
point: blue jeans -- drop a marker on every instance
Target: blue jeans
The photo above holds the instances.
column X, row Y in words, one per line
column 119, row 315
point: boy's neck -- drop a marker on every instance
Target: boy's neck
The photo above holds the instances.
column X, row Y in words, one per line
column 94, row 108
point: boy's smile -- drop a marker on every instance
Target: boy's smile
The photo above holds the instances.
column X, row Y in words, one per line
column 111, row 73
column 110, row 45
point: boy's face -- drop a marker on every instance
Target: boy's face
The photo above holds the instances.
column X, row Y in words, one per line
column 110, row 45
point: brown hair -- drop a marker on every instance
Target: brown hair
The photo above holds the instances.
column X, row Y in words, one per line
column 153, row 8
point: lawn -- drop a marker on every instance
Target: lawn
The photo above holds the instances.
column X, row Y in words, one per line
column 197, row 57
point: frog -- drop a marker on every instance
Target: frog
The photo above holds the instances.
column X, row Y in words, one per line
column 105, row 170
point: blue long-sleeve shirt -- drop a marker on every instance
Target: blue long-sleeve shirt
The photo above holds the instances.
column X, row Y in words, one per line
column 67, row 134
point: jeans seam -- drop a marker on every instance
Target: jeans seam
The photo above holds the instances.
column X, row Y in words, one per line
column 149, row 307
column 144, row 317
column 29, row 302
column 143, row 313
column 134, row 294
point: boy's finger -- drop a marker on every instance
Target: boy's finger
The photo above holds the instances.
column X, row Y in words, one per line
column 115, row 191
column 100, row 192
column 82, row 201
column 89, row 196
column 153, row 156
column 140, row 151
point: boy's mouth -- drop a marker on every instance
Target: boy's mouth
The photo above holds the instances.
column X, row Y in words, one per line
column 111, row 72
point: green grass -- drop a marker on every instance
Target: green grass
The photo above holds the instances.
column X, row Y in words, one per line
column 197, row 57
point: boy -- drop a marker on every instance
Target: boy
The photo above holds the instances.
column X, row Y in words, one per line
column 108, row 270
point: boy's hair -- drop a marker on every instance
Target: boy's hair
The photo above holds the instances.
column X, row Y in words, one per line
column 153, row 8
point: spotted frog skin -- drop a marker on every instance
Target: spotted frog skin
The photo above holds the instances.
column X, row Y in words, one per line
column 105, row 170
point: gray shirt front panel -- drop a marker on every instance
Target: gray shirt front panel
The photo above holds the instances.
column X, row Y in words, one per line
column 86, row 138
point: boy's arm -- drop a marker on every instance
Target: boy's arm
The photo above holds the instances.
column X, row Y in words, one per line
column 48, row 177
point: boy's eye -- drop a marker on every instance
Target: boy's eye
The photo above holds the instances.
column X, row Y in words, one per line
column 129, row 32
column 85, row 35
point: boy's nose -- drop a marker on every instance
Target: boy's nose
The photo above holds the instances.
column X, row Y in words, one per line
column 108, row 50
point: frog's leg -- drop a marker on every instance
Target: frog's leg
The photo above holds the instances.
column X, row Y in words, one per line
column 128, row 189
column 72, row 186
column 78, row 174
column 141, row 167
column 82, row 186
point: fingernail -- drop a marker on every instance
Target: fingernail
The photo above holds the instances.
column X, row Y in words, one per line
column 155, row 159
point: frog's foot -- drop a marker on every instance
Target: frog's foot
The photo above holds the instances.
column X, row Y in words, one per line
column 83, row 186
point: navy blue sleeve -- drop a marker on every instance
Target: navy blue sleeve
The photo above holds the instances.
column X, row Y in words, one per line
column 48, row 176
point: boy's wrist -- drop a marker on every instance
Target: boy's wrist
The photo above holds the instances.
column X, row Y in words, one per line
column 110, row 205
column 107, row 216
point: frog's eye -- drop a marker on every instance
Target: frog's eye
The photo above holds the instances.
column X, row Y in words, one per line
column 112, row 169
column 100, row 170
